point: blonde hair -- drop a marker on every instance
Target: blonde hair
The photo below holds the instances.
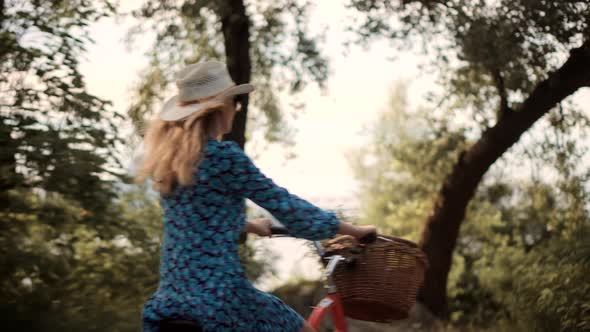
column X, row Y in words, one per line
column 174, row 148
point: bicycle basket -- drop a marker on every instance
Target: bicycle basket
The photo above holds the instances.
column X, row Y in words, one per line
column 383, row 283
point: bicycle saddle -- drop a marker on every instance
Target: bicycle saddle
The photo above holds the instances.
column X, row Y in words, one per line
column 177, row 325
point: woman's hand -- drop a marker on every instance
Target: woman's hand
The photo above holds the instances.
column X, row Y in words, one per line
column 356, row 231
column 365, row 230
column 259, row 226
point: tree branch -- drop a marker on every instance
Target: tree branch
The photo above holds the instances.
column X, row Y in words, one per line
column 235, row 26
column 499, row 82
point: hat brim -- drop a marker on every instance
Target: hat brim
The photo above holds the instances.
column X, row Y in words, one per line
column 237, row 90
column 171, row 111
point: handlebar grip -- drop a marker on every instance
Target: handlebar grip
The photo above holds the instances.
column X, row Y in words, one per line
column 369, row 238
column 279, row 230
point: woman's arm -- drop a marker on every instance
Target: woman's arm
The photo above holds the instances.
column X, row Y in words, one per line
column 261, row 227
column 302, row 219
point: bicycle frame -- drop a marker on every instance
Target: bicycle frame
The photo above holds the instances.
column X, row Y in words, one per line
column 331, row 303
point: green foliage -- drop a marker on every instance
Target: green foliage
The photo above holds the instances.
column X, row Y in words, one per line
column 545, row 289
column 61, row 273
column 284, row 55
column 535, row 262
column 54, row 134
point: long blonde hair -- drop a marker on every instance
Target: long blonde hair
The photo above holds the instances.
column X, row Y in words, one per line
column 174, row 148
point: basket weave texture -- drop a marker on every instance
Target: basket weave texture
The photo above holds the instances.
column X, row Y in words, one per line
column 382, row 284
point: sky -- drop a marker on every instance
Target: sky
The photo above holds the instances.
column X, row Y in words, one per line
column 332, row 124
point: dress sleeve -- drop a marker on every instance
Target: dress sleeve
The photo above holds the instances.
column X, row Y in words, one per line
column 300, row 217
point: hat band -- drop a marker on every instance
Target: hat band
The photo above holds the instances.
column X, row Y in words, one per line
column 189, row 102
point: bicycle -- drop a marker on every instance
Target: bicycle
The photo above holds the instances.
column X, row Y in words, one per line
column 330, row 304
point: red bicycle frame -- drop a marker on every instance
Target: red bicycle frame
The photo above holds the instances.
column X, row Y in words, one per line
column 329, row 304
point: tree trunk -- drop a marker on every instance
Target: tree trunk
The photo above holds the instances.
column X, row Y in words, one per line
column 441, row 229
column 1, row 14
column 9, row 178
column 235, row 26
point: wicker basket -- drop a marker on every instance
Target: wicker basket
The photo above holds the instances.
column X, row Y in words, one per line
column 383, row 283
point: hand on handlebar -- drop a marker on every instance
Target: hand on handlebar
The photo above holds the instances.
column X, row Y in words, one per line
column 364, row 233
column 367, row 234
column 259, row 226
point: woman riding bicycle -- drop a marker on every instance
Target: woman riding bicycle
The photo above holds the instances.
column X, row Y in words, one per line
column 202, row 184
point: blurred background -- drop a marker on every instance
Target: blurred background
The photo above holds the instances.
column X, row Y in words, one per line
column 462, row 126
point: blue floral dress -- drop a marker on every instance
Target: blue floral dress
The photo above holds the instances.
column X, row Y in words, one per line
column 201, row 278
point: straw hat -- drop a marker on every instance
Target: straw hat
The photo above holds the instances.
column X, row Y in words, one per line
column 201, row 85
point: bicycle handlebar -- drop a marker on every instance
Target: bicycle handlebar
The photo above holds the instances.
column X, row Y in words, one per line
column 281, row 230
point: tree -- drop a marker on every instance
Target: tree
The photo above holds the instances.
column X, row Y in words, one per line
column 520, row 232
column 55, row 136
column 57, row 161
column 504, row 64
column 263, row 42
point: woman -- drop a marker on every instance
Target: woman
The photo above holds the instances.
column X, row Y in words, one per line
column 203, row 183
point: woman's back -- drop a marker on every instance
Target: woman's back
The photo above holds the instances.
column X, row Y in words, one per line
column 201, row 278
column 202, row 224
